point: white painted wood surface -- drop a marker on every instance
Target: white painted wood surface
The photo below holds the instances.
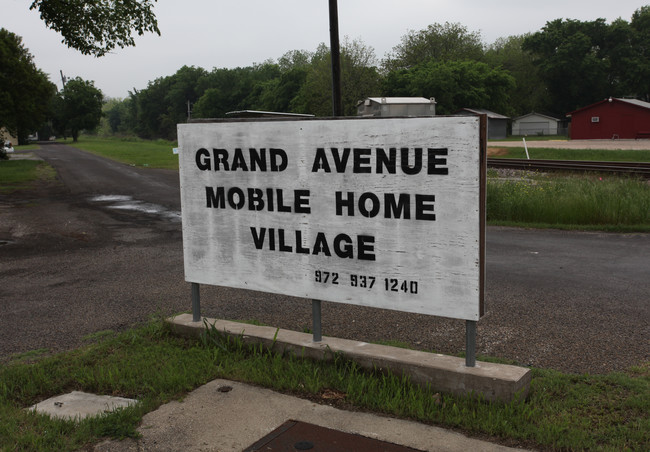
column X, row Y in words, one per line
column 439, row 260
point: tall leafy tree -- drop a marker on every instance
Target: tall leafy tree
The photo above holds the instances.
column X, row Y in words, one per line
column 80, row 106
column 454, row 84
column 25, row 91
column 439, row 42
column 529, row 93
column 638, row 72
column 99, row 26
column 573, row 62
column 359, row 79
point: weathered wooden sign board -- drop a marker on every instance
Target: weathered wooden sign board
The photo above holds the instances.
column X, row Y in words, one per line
column 382, row 212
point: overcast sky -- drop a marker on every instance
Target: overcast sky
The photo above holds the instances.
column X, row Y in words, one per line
column 213, row 33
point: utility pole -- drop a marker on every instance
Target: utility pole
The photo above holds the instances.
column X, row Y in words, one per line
column 64, row 79
column 337, row 103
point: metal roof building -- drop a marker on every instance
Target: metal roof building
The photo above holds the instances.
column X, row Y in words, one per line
column 497, row 124
column 611, row 118
column 396, row 106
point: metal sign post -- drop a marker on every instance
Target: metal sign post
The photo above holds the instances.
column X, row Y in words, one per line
column 196, row 303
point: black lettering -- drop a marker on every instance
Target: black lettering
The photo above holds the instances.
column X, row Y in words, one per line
column 283, row 160
column 202, row 159
column 340, row 161
column 340, row 203
column 301, row 201
column 281, row 245
column 417, row 164
column 238, row 161
column 255, row 199
column 320, row 245
column 241, row 200
column 343, row 246
column 423, row 207
column 374, row 210
column 269, row 199
column 320, row 162
column 361, row 161
column 299, row 248
column 220, row 157
column 258, row 238
column 389, row 162
column 258, row 159
column 216, row 200
column 281, row 206
column 397, row 209
column 433, row 162
column 366, row 248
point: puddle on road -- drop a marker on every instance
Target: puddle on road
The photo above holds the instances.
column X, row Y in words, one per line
column 121, row 202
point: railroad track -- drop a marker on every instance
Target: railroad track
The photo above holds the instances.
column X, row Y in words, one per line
column 631, row 168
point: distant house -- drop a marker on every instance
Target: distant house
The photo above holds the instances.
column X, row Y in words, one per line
column 538, row 124
column 396, row 106
column 5, row 135
column 611, row 118
column 497, row 124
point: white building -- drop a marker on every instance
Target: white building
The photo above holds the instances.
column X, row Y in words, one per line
column 397, row 106
column 537, row 124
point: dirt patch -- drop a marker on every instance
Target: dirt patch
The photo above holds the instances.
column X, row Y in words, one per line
column 496, row 152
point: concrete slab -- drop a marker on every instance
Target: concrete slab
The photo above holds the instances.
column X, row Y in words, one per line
column 444, row 373
column 80, row 405
column 225, row 416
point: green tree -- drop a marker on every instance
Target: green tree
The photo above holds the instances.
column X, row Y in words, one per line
column 529, row 93
column 25, row 91
column 440, row 42
column 97, row 27
column 359, row 79
column 116, row 117
column 573, row 62
column 638, row 72
column 80, row 106
column 454, row 84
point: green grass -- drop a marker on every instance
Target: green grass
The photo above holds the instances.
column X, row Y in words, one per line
column 18, row 174
column 589, row 203
column 572, row 412
column 605, row 155
column 144, row 153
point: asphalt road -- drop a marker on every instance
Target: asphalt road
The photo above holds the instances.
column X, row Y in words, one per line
column 101, row 249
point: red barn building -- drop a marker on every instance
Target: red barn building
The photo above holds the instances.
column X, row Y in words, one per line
column 611, row 119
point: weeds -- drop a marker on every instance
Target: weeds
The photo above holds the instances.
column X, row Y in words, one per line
column 608, row 412
column 601, row 202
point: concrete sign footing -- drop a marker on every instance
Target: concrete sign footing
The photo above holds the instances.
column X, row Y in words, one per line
column 80, row 405
column 493, row 382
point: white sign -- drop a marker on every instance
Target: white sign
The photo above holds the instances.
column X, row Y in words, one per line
column 382, row 212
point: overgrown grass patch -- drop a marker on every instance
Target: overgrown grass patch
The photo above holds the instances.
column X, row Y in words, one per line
column 602, row 203
column 132, row 151
column 17, row 174
column 573, row 412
